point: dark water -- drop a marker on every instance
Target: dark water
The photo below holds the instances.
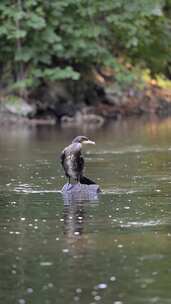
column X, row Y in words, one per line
column 114, row 250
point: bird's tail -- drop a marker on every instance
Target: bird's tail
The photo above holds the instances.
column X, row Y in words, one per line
column 86, row 181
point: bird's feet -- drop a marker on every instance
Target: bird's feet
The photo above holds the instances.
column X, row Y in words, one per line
column 69, row 186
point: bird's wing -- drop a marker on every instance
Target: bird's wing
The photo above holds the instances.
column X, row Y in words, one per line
column 81, row 162
column 62, row 157
column 64, row 163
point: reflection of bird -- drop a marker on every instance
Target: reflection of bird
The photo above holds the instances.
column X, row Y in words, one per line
column 73, row 162
column 74, row 215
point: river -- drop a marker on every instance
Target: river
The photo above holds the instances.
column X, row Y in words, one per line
column 115, row 249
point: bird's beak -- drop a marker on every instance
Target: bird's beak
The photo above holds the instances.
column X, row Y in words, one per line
column 89, row 142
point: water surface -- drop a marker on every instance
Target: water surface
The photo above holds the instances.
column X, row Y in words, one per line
column 115, row 249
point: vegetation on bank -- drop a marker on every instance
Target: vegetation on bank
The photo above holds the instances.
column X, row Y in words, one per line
column 43, row 43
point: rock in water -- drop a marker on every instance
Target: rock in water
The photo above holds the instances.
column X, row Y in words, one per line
column 80, row 192
column 19, row 107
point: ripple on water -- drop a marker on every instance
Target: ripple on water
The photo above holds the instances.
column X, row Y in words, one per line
column 26, row 188
column 122, row 190
column 132, row 149
column 142, row 224
column 46, row 264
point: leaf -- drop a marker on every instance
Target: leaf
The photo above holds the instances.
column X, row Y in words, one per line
column 20, row 34
column 50, row 36
column 36, row 22
column 25, row 55
column 60, row 74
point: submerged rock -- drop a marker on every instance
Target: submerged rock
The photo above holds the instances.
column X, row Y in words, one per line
column 82, row 117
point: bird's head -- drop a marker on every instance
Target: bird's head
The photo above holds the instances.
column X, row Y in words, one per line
column 82, row 140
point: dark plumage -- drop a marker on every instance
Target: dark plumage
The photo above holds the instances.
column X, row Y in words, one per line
column 73, row 162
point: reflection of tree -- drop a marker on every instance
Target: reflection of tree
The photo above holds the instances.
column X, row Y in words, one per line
column 157, row 129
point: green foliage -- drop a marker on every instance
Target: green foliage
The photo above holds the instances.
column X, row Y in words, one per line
column 58, row 40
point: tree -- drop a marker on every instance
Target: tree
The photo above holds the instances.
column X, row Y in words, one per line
column 57, row 40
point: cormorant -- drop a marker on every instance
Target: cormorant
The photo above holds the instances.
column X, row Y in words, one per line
column 73, row 162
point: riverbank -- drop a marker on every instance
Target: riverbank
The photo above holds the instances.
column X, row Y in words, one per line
column 86, row 103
